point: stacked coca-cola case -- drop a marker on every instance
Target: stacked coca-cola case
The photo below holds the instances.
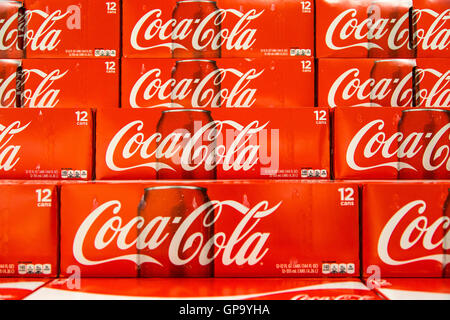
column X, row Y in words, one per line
column 59, row 62
column 383, row 69
column 156, row 149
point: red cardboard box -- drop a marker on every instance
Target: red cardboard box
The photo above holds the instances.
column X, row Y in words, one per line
column 214, row 29
column 226, row 83
column 366, row 82
column 217, row 144
column 61, row 29
column 382, row 29
column 391, row 143
column 404, row 228
column 46, row 144
column 166, row 229
column 60, row 83
column 29, row 241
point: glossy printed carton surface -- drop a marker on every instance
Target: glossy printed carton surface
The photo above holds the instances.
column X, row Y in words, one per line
column 11, row 43
column 432, row 78
column 62, row 29
column 60, row 83
column 217, row 144
column 9, row 95
column 382, row 29
column 46, row 144
column 262, row 229
column 366, row 82
column 404, row 228
column 218, row 83
column 384, row 82
column 391, row 143
column 29, row 239
column 214, row 29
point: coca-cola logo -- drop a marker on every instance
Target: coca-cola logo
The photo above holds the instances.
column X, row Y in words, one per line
column 346, row 31
column 8, row 91
column 47, row 36
column 348, row 86
column 151, row 26
column 398, row 146
column 231, row 145
column 436, row 95
column 420, row 232
column 243, row 245
column 203, row 92
column 9, row 154
column 44, row 95
column 437, row 36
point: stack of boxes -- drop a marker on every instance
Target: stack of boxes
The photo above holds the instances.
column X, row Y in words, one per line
column 383, row 68
column 66, row 54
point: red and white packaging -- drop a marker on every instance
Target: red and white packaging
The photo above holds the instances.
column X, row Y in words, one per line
column 60, row 83
column 384, row 82
column 415, row 289
column 18, row 289
column 28, row 230
column 391, row 143
column 404, row 229
column 62, row 29
column 363, row 29
column 9, row 95
column 46, row 144
column 366, row 82
column 432, row 81
column 214, row 29
column 12, row 18
column 382, row 29
column 166, row 229
column 218, row 144
column 432, row 28
column 210, row 289
column 226, row 83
